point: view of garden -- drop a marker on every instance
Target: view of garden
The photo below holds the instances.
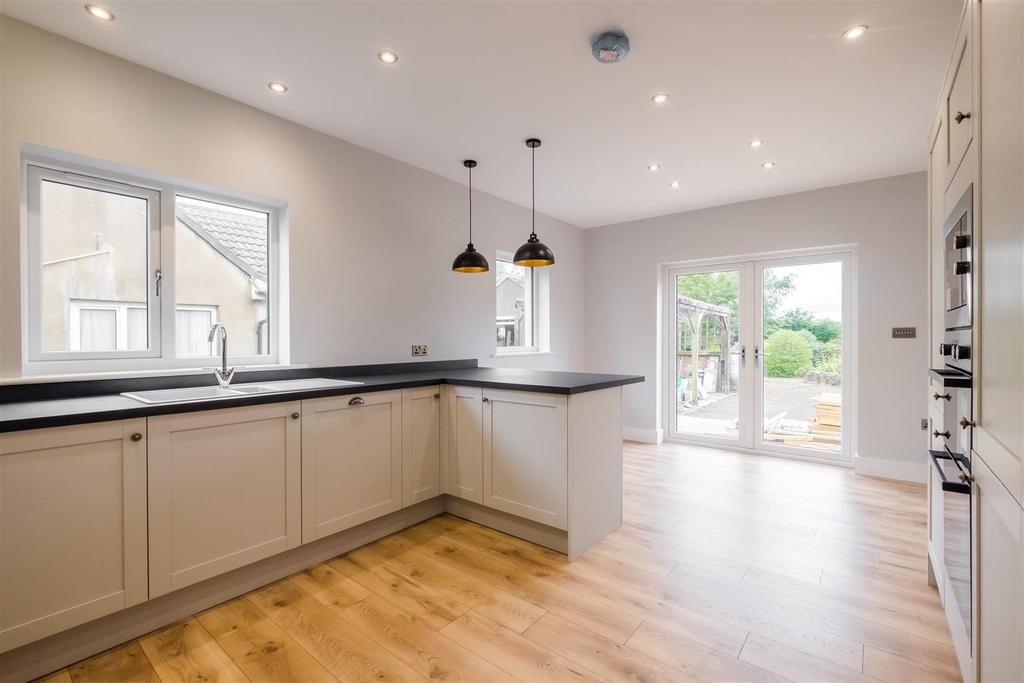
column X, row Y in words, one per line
column 801, row 346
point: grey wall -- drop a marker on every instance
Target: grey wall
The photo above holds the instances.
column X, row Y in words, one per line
column 372, row 239
column 886, row 219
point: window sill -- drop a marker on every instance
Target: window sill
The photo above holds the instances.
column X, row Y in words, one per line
column 512, row 354
column 124, row 374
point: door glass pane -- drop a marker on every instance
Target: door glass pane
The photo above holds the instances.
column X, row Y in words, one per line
column 95, row 246
column 222, row 263
column 707, row 353
column 803, row 356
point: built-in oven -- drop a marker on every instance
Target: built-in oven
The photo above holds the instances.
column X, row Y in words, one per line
column 958, row 235
column 952, row 439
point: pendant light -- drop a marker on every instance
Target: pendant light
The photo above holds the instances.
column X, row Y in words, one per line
column 534, row 253
column 471, row 260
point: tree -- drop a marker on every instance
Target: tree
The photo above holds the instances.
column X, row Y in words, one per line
column 787, row 354
column 723, row 289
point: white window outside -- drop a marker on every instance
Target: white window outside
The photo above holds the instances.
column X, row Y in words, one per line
column 129, row 273
column 521, row 307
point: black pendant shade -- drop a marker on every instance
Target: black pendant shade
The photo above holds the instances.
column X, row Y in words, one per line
column 471, row 260
column 534, row 253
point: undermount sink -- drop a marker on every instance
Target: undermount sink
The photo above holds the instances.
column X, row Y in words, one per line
column 190, row 394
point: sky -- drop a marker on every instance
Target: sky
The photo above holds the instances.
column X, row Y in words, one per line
column 818, row 289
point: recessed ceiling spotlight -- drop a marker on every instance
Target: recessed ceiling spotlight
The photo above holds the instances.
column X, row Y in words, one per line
column 675, row 184
column 756, row 142
column 855, row 32
column 277, row 87
column 660, row 98
column 768, row 164
column 98, row 12
column 653, row 167
column 387, row 57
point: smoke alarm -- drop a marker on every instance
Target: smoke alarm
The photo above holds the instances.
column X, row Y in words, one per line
column 611, row 47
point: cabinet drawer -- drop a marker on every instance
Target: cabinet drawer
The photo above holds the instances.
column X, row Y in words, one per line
column 960, row 102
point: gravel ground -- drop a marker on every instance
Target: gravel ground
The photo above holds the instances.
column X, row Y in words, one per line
column 795, row 397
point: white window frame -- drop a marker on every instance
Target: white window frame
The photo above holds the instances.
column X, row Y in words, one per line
column 159, row 191
column 537, row 322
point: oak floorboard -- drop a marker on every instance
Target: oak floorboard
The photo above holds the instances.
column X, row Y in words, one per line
column 266, row 654
column 434, row 656
column 514, row 653
column 186, row 651
column 604, row 657
column 126, row 663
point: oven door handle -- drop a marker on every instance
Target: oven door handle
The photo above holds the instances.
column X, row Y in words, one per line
column 947, row 485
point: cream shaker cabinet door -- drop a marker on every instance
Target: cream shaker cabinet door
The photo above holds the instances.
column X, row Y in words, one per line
column 351, row 461
column 959, row 100
column 224, row 489
column 998, row 579
column 463, row 443
column 72, row 526
column 421, row 444
column 999, row 293
column 526, row 449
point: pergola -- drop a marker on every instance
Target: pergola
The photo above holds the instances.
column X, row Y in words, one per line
column 693, row 311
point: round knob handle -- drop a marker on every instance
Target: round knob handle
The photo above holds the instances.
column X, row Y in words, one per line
column 437, row 395
column 965, row 478
column 944, row 435
column 965, row 423
column 938, row 396
column 357, row 401
column 486, row 400
column 960, row 116
column 136, row 436
column 296, row 416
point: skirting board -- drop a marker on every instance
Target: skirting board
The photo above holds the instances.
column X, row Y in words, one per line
column 643, row 435
column 59, row 650
column 900, row 470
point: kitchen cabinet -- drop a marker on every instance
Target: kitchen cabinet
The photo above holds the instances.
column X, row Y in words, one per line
column 958, row 99
column 421, row 444
column 463, row 442
column 999, row 578
column 72, row 526
column 525, row 455
column 999, row 319
column 224, row 489
column 351, row 461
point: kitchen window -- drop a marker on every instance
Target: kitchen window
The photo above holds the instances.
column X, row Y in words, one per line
column 521, row 296
column 129, row 273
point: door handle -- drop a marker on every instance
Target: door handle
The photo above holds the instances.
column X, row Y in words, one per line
column 486, row 400
column 757, row 356
column 938, row 396
column 960, row 116
column 944, row 435
column 357, row 401
column 743, row 356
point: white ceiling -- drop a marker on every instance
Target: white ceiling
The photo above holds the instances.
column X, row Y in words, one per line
column 476, row 79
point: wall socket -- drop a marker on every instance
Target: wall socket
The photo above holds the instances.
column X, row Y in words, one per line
column 419, row 349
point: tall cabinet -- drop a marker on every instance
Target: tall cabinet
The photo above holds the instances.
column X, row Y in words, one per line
column 986, row 80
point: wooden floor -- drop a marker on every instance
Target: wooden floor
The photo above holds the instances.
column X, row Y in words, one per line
column 728, row 568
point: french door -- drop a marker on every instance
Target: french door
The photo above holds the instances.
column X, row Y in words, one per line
column 759, row 355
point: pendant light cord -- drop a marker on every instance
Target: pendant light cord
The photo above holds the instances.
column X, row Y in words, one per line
column 533, row 191
column 471, row 205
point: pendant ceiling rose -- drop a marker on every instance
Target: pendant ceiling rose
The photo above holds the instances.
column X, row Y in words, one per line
column 470, row 260
column 534, row 253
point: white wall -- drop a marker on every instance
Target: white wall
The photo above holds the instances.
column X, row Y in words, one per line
column 886, row 219
column 372, row 239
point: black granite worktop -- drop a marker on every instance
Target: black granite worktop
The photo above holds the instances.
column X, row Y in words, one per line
column 52, row 404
